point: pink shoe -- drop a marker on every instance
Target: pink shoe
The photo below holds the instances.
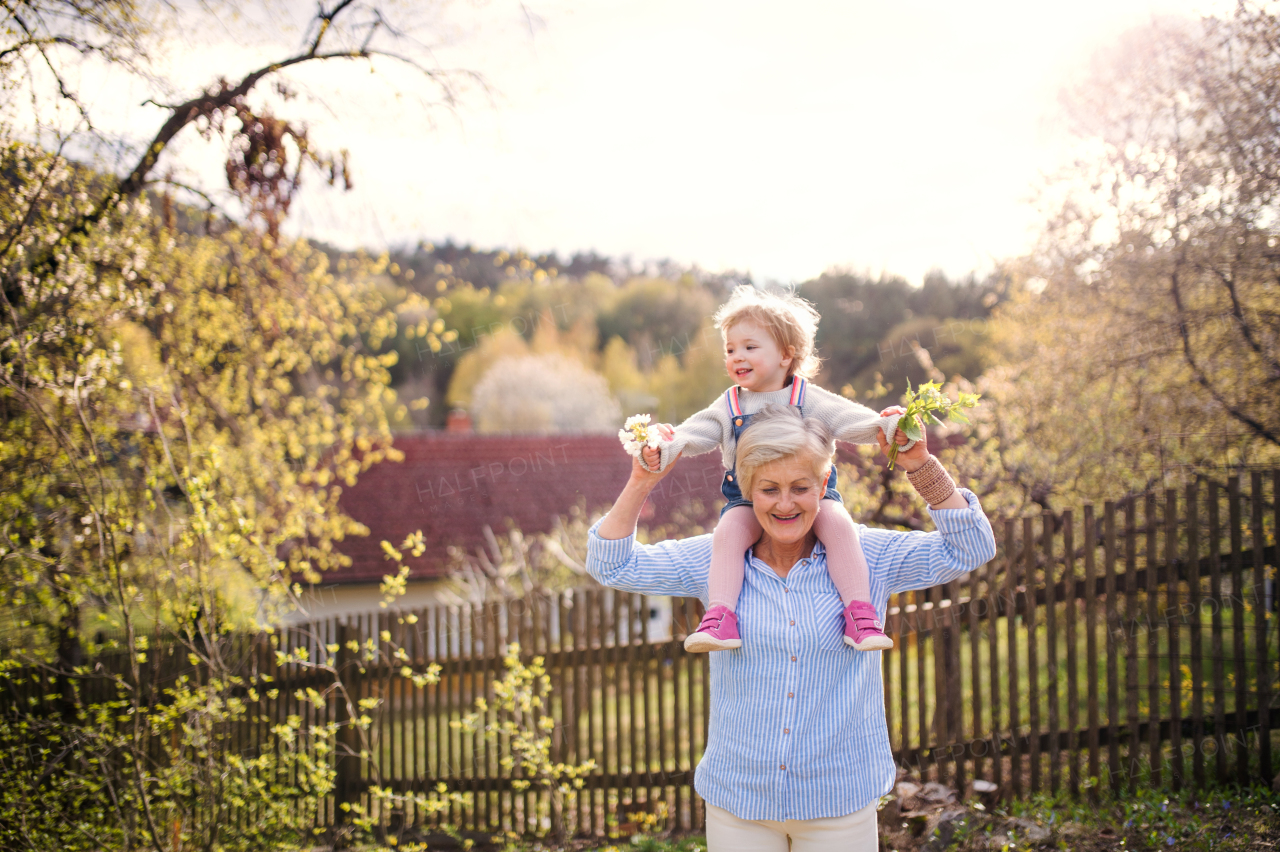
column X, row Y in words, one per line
column 717, row 632
column 863, row 630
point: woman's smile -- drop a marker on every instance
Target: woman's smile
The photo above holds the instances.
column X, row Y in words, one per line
column 785, row 494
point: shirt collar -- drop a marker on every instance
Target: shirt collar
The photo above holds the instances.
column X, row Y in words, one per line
column 819, row 552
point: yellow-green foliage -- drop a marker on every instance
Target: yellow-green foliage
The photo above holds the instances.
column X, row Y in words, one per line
column 180, row 413
column 1086, row 405
column 179, row 407
column 521, row 715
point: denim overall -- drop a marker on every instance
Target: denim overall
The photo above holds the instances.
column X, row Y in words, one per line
column 729, row 486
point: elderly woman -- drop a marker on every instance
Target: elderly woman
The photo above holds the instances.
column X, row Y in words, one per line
column 798, row 748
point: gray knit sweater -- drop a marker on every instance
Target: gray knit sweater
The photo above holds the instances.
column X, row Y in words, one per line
column 712, row 427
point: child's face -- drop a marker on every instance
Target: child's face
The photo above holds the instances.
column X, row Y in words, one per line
column 753, row 359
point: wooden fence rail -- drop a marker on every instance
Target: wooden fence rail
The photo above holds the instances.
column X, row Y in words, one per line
column 1135, row 646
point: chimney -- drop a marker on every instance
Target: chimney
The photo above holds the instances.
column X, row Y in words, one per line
column 458, row 421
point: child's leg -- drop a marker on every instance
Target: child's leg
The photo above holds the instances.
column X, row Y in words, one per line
column 848, row 569
column 738, row 529
column 845, row 561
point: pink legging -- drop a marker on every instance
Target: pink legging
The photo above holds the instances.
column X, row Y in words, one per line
column 739, row 529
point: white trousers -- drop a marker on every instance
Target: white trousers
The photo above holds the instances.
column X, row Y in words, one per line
column 855, row 832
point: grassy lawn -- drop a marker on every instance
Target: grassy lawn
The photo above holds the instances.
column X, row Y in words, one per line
column 1222, row 820
column 1227, row 819
column 1088, row 667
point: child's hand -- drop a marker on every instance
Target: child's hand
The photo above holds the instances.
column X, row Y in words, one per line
column 899, row 437
column 652, row 455
column 909, row 459
column 640, row 471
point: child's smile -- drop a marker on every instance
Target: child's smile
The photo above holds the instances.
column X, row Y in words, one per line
column 752, row 358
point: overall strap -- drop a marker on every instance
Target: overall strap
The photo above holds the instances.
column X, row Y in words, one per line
column 731, row 398
column 798, row 386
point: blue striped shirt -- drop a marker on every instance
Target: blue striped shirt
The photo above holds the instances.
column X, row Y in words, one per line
column 798, row 728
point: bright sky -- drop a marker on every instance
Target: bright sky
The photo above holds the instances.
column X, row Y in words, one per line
column 779, row 139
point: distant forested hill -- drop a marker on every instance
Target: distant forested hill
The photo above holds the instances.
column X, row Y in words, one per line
column 646, row 328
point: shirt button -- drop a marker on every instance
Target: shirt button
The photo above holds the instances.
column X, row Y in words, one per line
column 793, row 624
column 791, row 695
column 782, row 766
column 786, row 590
column 786, row 730
column 793, row 659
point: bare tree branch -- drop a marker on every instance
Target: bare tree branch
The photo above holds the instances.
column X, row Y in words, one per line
column 222, row 97
column 1260, row 429
column 1237, row 311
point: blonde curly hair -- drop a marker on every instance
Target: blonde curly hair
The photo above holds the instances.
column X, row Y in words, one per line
column 790, row 320
column 779, row 432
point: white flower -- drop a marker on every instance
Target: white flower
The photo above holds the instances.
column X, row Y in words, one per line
column 636, row 434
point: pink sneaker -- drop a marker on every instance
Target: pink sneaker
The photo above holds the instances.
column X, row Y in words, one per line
column 717, row 632
column 863, row 630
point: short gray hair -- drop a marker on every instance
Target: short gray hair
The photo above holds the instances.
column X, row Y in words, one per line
column 779, row 432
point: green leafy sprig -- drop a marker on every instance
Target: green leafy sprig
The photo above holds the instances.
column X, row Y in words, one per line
column 928, row 403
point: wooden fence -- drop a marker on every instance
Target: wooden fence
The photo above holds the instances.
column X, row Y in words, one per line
column 1132, row 646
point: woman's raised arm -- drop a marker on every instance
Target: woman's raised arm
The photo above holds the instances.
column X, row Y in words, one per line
column 620, row 522
column 614, row 559
column 964, row 540
column 906, row 561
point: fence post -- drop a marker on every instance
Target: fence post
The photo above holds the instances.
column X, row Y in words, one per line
column 1216, row 650
column 1262, row 665
column 1173, row 613
column 955, row 705
column 1091, row 645
column 1029, row 618
column 941, row 680
column 1195, row 601
column 1239, row 668
column 1011, row 625
column 347, row 781
column 1113, row 631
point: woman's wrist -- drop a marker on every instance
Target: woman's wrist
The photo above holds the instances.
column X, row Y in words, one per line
column 932, row 481
column 620, row 521
column 641, row 485
column 909, row 467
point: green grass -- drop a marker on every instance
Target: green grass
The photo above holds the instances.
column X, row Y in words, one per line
column 1221, row 819
column 996, row 713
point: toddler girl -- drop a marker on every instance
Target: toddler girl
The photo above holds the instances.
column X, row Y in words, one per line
column 769, row 355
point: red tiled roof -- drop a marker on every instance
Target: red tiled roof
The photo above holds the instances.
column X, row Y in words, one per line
column 451, row 485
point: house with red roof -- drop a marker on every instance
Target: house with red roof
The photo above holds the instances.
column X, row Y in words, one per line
column 452, row 484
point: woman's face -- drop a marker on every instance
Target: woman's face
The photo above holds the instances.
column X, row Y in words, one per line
column 786, row 494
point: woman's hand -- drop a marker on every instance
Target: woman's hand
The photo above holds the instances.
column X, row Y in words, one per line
column 908, row 459
column 914, row 458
